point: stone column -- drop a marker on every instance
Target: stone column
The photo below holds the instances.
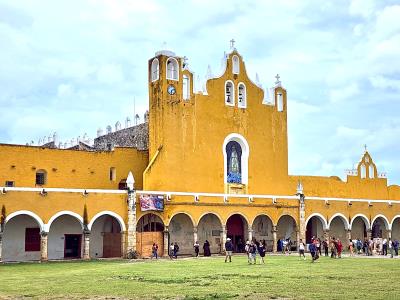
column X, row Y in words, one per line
column 1, row 244
column 43, row 246
column 302, row 218
column 131, row 232
column 166, row 242
column 250, row 234
column 348, row 234
column 298, row 238
column 275, row 243
column 369, row 234
column 123, row 244
column 195, row 237
column 86, row 244
column 389, row 234
column 223, row 238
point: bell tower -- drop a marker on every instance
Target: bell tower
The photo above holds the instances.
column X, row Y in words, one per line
column 165, row 94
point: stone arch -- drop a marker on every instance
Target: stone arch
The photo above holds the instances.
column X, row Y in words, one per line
column 182, row 212
column 172, row 68
column 319, row 217
column 286, row 229
column 364, row 218
column 343, row 218
column 154, row 70
column 212, row 213
column 21, row 236
column 150, row 229
column 262, row 227
column 65, row 239
column 112, row 214
column 106, row 229
column 378, row 231
column 395, row 226
column 237, row 229
column 209, row 228
column 28, row 213
column 181, row 228
column 313, row 228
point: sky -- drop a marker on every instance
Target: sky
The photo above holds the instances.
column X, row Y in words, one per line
column 72, row 67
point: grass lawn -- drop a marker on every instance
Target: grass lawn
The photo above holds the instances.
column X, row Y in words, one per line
column 205, row 278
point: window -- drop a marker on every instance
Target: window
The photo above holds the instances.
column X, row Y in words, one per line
column 113, row 174
column 363, row 171
column 234, row 165
column 186, row 87
column 32, row 239
column 41, row 177
column 235, row 64
column 242, row 95
column 229, row 93
column 279, row 101
column 172, row 69
column 109, row 146
column 10, row 183
column 371, row 171
column 154, row 70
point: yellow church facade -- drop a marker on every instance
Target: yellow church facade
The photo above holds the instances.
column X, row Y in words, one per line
column 216, row 166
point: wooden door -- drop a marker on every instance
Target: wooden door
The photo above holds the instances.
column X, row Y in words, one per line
column 111, row 244
column 145, row 240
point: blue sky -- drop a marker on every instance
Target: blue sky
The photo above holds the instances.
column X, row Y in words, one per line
column 73, row 66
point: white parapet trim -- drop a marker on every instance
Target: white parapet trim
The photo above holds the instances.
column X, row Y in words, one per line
column 190, row 194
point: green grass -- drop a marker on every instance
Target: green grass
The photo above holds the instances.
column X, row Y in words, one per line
column 205, row 278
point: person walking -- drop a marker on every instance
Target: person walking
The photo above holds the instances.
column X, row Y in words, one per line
column 396, row 247
column 318, row 245
column 313, row 250
column 333, row 248
column 301, row 249
column 351, row 248
column 339, row 248
column 246, row 249
column 176, row 250
column 154, row 251
column 384, row 247
column 325, row 243
column 196, row 247
column 261, row 251
column 284, row 245
column 252, row 252
column 228, row 250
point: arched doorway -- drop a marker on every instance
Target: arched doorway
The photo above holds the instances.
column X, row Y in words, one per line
column 359, row 227
column 396, row 228
column 181, row 231
column 338, row 227
column 105, row 237
column 379, row 228
column 262, row 230
column 209, row 229
column 65, row 237
column 149, row 230
column 237, row 231
column 315, row 228
column 21, row 239
column 286, row 229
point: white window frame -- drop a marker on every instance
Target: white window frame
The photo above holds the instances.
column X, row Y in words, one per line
column 279, row 101
column 244, row 102
column 235, row 64
column 155, row 70
column 371, row 171
column 172, row 59
column 244, row 159
column 186, row 87
column 233, row 93
column 363, row 171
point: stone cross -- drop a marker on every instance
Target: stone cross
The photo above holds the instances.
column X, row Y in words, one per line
column 232, row 41
column 277, row 79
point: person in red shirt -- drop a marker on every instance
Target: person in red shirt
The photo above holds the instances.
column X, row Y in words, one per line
column 339, row 248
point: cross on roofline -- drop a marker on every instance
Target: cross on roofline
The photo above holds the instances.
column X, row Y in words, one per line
column 365, row 147
column 232, row 42
column 277, row 79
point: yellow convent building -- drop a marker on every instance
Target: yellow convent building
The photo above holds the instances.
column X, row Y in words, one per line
column 210, row 162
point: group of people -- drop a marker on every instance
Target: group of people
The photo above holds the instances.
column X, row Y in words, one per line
column 334, row 245
column 380, row 247
column 252, row 249
column 284, row 245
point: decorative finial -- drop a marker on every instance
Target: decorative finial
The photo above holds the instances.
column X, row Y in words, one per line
column 185, row 61
column 365, row 147
column 277, row 82
column 232, row 42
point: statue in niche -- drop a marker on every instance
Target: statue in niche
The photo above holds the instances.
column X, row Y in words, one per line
column 234, row 158
column 234, row 163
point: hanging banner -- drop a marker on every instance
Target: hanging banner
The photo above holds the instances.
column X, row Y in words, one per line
column 151, row 202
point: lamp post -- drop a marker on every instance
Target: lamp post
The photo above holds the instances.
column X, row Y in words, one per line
column 131, row 239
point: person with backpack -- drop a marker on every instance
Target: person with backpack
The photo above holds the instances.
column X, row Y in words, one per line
column 313, row 251
column 252, row 253
column 228, row 250
column 261, row 251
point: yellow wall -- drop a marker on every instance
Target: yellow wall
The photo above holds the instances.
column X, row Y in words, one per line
column 70, row 168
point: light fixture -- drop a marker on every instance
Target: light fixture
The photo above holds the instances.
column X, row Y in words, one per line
column 251, row 199
column 327, row 202
column 3, row 191
column 196, row 198
column 169, row 197
column 349, row 203
column 274, row 200
column 85, row 193
column 226, row 199
column 43, row 192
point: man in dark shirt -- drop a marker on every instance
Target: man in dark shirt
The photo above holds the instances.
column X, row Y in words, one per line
column 228, row 250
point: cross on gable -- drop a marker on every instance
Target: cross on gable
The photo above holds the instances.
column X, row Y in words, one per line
column 232, row 41
column 365, row 147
